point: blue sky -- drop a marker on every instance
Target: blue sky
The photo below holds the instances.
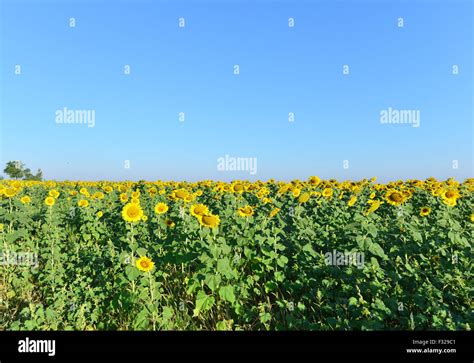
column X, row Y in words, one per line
column 282, row 69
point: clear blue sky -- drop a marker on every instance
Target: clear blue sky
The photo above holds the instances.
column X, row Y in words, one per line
column 282, row 70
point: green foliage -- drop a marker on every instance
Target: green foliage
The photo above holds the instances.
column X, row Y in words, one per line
column 249, row 273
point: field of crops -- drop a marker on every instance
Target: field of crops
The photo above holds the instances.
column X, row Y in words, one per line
column 315, row 254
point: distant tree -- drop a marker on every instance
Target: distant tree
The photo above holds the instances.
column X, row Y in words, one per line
column 37, row 176
column 27, row 174
column 14, row 169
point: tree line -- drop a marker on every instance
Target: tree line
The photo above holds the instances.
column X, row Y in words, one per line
column 18, row 170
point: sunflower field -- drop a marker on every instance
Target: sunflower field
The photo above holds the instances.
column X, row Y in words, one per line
column 236, row 256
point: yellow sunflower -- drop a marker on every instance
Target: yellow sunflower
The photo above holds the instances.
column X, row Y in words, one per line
column 246, row 211
column 132, row 212
column 395, row 198
column 450, row 197
column 170, row 223
column 303, row 198
column 49, row 201
column 314, row 180
column 327, row 193
column 25, row 200
column 198, row 210
column 161, row 208
column 472, row 217
column 274, row 212
column 450, row 202
column 83, row 203
column 296, row 192
column 10, row 192
column 210, row 220
column 352, row 201
column 98, row 195
column 100, row 214
column 424, row 211
column 84, row 191
column 144, row 264
column 123, row 197
column 53, row 193
column 238, row 188
column 374, row 205
column 180, row 194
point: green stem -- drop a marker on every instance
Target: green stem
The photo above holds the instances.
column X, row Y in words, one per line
column 152, row 295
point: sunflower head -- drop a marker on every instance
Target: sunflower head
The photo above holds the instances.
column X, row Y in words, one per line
column 450, row 202
column 132, row 212
column 303, row 198
column 274, row 212
column 84, row 191
column 198, row 210
column 238, row 188
column 450, row 194
column 374, row 205
column 424, row 211
column 296, row 192
column 209, row 220
column 314, row 180
column 144, row 264
column 327, row 192
column 169, row 223
column 98, row 195
column 246, row 211
column 180, row 194
column 161, row 208
column 83, row 203
column 53, row 193
column 10, row 192
column 25, row 200
column 396, row 198
column 352, row 201
column 49, row 201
